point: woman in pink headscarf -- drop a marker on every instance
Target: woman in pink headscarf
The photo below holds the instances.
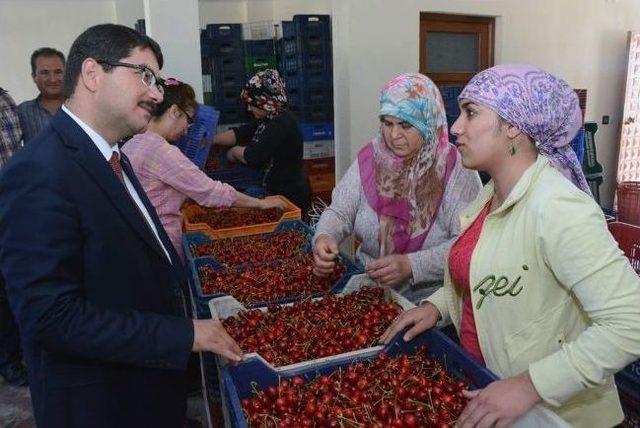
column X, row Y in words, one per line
column 536, row 287
column 402, row 196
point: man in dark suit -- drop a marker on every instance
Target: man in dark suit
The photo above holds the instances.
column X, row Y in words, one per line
column 94, row 281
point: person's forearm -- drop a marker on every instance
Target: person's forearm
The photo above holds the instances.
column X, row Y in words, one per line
column 236, row 154
column 226, row 138
column 247, row 201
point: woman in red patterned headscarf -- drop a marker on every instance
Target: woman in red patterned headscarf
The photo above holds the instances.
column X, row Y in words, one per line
column 272, row 141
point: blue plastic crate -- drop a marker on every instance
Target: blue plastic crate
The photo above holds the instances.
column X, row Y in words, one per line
column 201, row 299
column 206, row 44
column 227, row 97
column 297, row 81
column 233, row 80
column 226, row 33
column 227, row 49
column 307, row 96
column 631, row 376
column 240, row 380
column 308, row 63
column 236, row 113
column 629, row 393
column 240, row 176
column 259, row 47
column 197, row 238
column 307, row 27
column 200, row 311
column 578, row 144
column 317, row 131
column 299, row 46
column 197, row 143
column 313, row 113
column 228, row 64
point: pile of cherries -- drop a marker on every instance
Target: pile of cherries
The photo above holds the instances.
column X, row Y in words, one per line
column 256, row 248
column 402, row 391
column 313, row 329
column 292, row 277
column 223, row 218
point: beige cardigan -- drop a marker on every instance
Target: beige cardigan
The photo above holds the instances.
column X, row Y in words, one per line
column 552, row 294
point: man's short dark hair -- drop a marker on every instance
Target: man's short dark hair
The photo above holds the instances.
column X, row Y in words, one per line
column 44, row 52
column 105, row 42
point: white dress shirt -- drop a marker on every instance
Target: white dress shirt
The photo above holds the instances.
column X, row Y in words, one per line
column 107, row 150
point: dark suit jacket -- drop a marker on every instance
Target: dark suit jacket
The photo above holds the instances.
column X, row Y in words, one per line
column 95, row 297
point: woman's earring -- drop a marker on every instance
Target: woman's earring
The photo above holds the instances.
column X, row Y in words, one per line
column 512, row 149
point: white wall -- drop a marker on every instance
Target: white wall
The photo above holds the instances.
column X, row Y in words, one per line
column 178, row 34
column 285, row 9
column 241, row 11
column 129, row 11
column 222, row 12
column 584, row 41
column 26, row 25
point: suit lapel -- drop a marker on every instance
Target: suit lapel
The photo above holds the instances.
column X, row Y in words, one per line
column 128, row 169
column 87, row 155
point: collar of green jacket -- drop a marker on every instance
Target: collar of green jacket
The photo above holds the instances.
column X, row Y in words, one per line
column 517, row 193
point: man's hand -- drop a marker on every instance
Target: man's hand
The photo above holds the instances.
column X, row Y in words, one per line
column 422, row 318
column 390, row 270
column 325, row 252
column 210, row 336
column 500, row 403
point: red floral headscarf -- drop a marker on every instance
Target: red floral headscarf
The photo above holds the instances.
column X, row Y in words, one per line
column 266, row 91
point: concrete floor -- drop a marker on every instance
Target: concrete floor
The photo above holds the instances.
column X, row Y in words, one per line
column 15, row 407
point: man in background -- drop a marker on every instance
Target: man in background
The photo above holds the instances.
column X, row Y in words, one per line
column 47, row 71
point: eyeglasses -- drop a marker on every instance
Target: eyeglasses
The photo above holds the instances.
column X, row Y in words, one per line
column 189, row 117
column 148, row 76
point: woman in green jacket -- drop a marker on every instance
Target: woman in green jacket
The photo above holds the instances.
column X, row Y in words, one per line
column 536, row 287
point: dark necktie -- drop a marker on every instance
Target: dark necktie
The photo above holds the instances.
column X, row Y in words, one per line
column 114, row 162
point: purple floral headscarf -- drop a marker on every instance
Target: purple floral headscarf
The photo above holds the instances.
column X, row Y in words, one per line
column 538, row 103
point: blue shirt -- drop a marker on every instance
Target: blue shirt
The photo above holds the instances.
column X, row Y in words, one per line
column 33, row 118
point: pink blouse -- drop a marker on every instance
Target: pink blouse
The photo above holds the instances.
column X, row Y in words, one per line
column 169, row 178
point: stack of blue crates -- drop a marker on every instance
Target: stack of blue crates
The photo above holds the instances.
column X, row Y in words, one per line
column 306, row 64
column 223, row 60
column 206, row 47
column 259, row 55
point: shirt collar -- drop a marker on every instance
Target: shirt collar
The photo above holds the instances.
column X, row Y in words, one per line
column 105, row 148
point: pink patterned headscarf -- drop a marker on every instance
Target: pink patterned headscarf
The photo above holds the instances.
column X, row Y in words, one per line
column 538, row 103
column 406, row 193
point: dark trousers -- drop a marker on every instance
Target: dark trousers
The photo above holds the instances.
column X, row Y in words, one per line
column 9, row 338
